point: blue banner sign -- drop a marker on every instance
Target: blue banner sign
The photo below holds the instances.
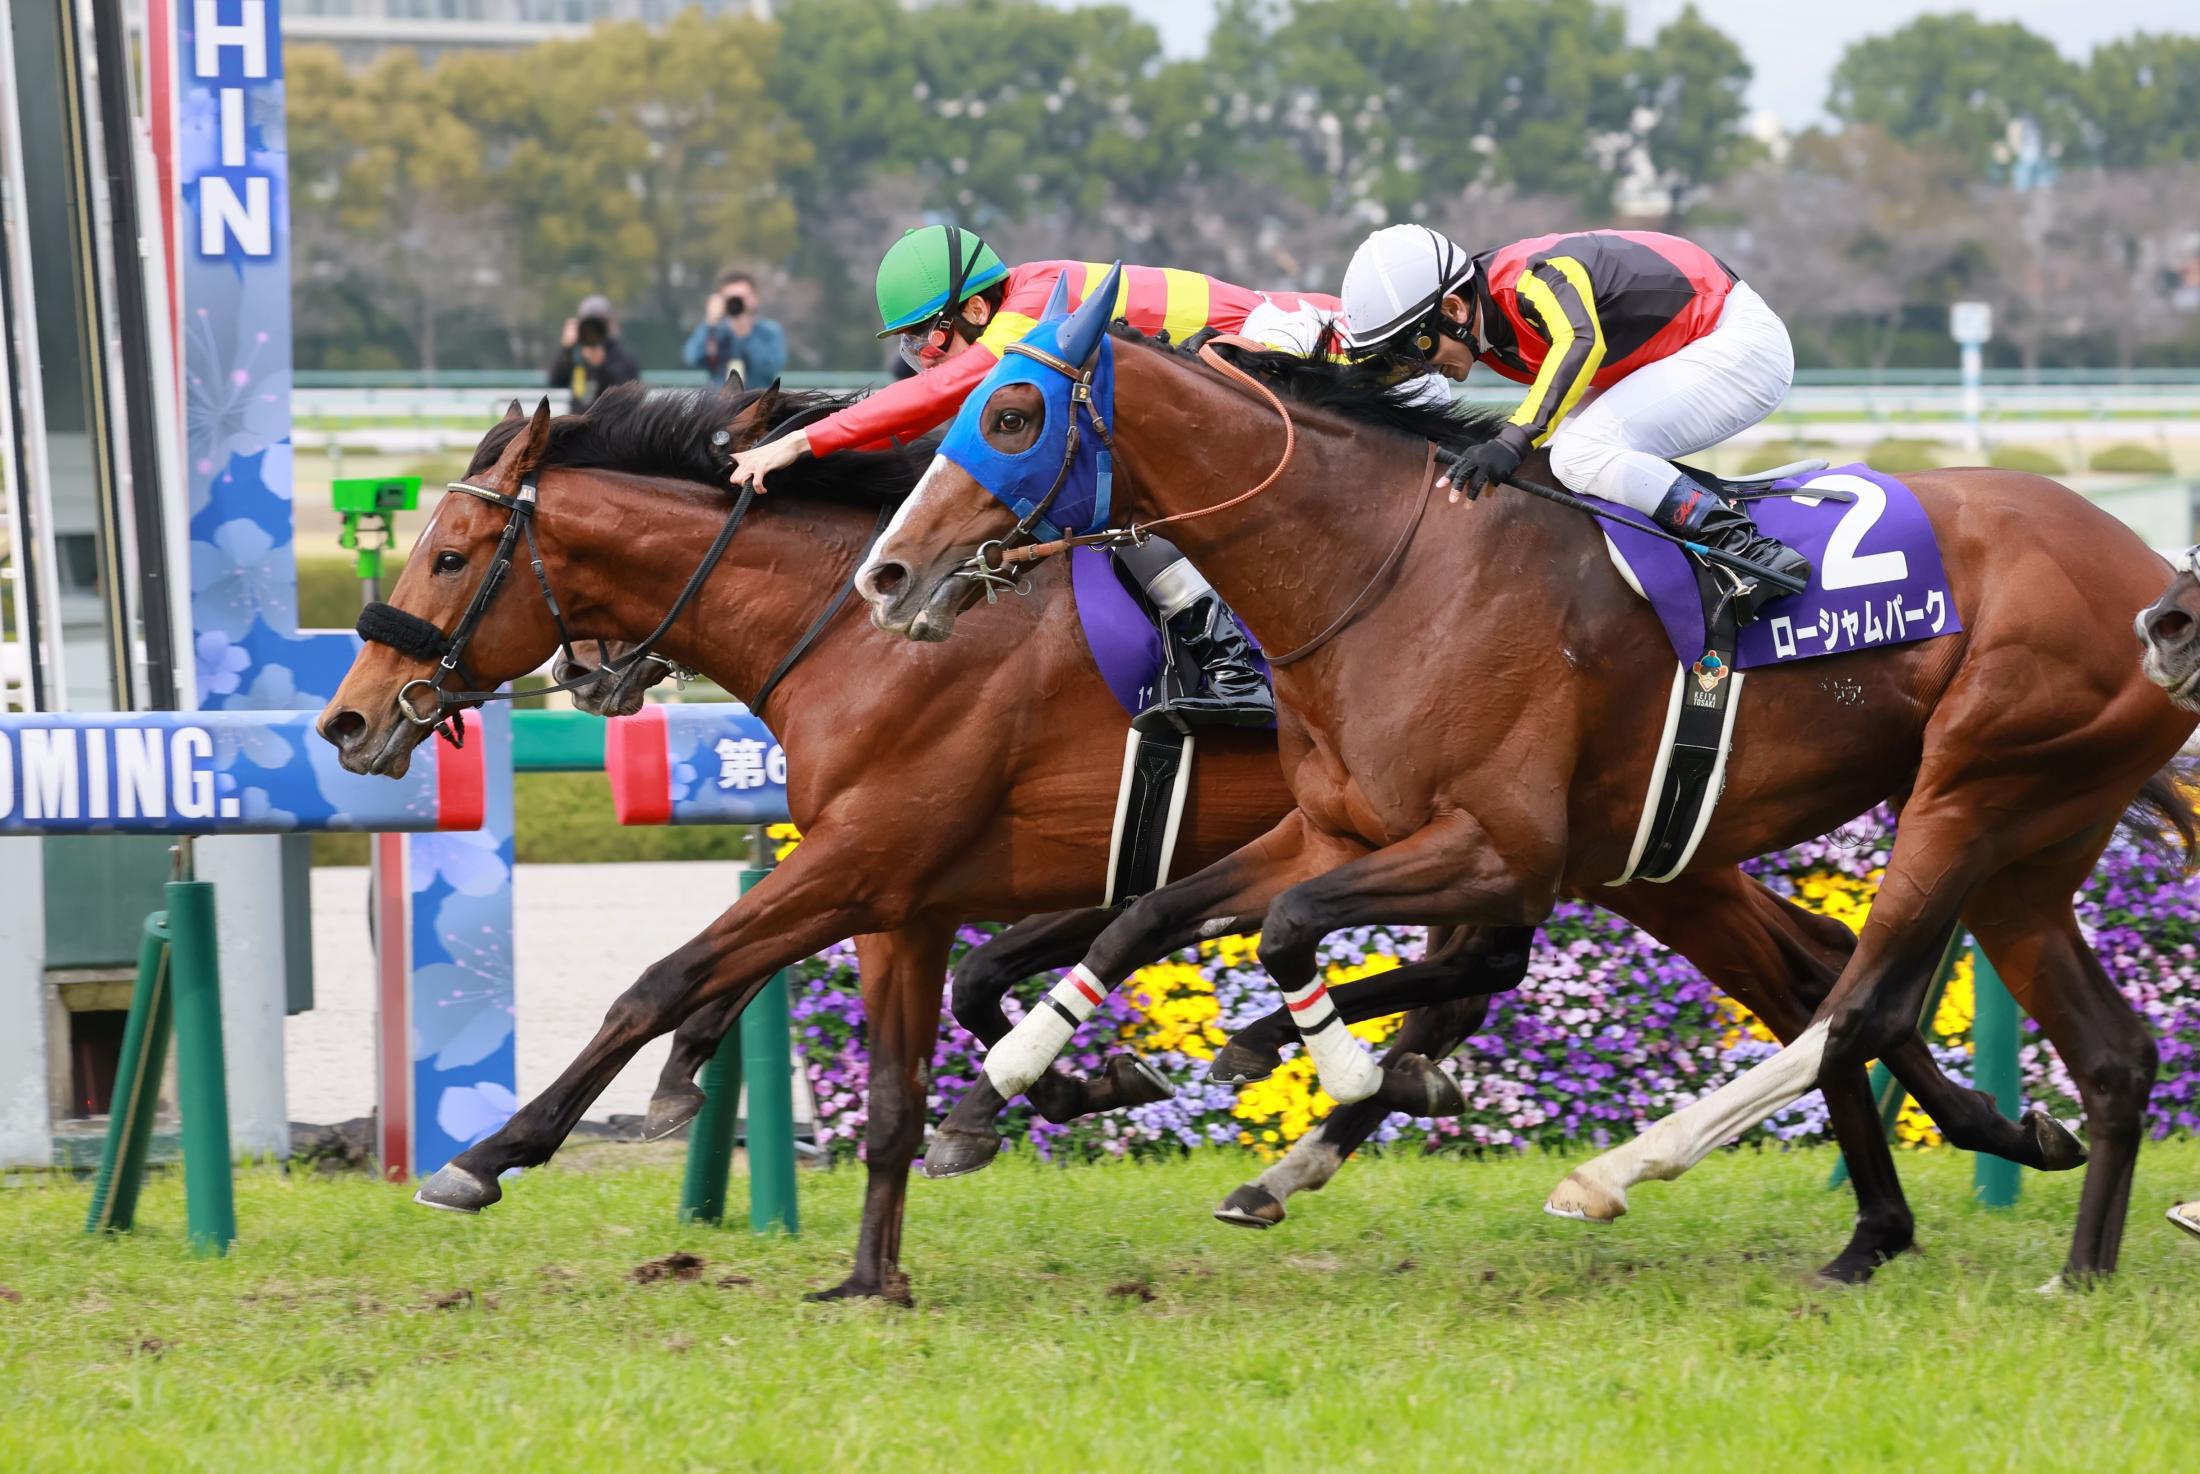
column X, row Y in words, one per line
column 215, row 772
column 711, row 763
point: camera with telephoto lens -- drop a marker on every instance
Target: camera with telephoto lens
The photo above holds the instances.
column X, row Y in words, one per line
column 592, row 332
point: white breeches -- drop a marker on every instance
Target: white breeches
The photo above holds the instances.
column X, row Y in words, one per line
column 1619, row 443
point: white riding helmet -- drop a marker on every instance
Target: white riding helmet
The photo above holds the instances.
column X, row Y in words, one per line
column 1396, row 278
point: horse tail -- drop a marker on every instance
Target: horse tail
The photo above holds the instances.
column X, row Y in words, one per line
column 2166, row 814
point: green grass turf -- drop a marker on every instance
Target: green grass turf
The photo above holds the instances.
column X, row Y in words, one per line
column 1418, row 1315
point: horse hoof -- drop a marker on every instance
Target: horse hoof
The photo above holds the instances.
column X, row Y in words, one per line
column 892, row 1290
column 455, row 1190
column 670, row 1109
column 1237, row 1065
column 1136, row 1082
column 1251, row 1206
column 1416, row 1086
column 958, row 1153
column 2187, row 1217
column 1585, row 1201
column 1060, row 1099
column 2058, row 1146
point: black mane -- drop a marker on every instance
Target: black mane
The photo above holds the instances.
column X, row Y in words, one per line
column 1363, row 393
column 668, row 433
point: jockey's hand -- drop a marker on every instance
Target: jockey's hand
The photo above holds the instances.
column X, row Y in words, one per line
column 1482, row 465
column 751, row 466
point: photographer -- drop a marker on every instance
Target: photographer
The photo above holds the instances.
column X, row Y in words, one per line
column 735, row 335
column 592, row 359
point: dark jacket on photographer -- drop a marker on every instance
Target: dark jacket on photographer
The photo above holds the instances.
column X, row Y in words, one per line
column 571, row 369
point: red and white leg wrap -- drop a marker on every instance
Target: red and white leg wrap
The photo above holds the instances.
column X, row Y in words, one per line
column 1031, row 1046
column 1348, row 1072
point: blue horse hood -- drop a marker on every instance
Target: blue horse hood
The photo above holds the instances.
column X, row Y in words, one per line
column 1021, row 481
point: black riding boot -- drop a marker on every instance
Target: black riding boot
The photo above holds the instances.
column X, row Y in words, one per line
column 1693, row 512
column 1209, row 678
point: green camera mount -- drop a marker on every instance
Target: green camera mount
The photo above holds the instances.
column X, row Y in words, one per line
column 366, row 502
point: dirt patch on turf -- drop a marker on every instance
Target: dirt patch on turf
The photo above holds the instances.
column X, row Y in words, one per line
column 12, row 1296
column 1137, row 1290
column 682, row 1267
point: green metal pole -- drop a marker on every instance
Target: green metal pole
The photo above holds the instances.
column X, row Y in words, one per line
column 768, row 1062
column 201, row 1081
column 137, row 1087
column 710, row 1139
column 1887, row 1092
column 1994, row 1066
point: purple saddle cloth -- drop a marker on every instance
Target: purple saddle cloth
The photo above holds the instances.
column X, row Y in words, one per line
column 1877, row 579
column 1125, row 644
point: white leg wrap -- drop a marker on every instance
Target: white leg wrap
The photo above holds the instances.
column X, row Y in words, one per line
column 1348, row 1072
column 1031, row 1046
column 1690, row 1134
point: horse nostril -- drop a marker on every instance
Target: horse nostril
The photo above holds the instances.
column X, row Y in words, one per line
column 2171, row 627
column 341, row 727
column 882, row 581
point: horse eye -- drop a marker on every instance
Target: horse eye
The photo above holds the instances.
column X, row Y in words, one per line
column 1012, row 420
column 449, row 562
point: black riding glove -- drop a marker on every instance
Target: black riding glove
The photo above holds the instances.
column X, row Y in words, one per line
column 1492, row 461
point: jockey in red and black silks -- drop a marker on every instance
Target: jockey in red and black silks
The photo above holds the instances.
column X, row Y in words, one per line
column 1636, row 348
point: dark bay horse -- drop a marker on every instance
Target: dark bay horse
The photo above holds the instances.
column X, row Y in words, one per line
column 1003, row 813
column 1474, row 738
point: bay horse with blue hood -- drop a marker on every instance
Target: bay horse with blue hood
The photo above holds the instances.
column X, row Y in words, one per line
column 1471, row 702
column 903, row 843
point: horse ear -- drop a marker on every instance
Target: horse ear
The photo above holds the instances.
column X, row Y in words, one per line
column 1080, row 336
column 514, row 412
column 1057, row 300
column 734, row 382
column 756, row 418
column 533, row 442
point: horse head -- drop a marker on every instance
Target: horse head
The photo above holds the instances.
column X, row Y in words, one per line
column 2169, row 629
column 368, row 719
column 1027, row 454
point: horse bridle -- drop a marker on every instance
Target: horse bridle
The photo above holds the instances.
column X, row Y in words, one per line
column 1017, row 550
column 409, row 634
column 994, row 577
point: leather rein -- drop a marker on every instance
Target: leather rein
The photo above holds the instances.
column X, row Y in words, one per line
column 994, row 563
column 409, row 634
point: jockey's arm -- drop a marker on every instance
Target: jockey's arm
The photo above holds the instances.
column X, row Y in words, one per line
column 1558, row 290
column 897, row 414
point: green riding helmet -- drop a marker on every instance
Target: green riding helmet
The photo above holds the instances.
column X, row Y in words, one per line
column 918, row 276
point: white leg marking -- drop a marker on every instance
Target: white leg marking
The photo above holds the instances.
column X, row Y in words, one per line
column 1307, row 1167
column 901, row 513
column 1599, row 1190
column 1032, row 1045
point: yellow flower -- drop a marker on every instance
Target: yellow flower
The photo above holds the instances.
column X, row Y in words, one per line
column 1959, row 1004
column 784, row 838
column 1179, row 1013
column 1283, row 1107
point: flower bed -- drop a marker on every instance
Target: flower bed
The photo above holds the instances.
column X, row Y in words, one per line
column 1608, row 1032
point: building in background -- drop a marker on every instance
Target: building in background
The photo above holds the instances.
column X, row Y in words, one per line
column 359, row 29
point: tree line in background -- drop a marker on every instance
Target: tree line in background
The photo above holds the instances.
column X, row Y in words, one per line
column 450, row 216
